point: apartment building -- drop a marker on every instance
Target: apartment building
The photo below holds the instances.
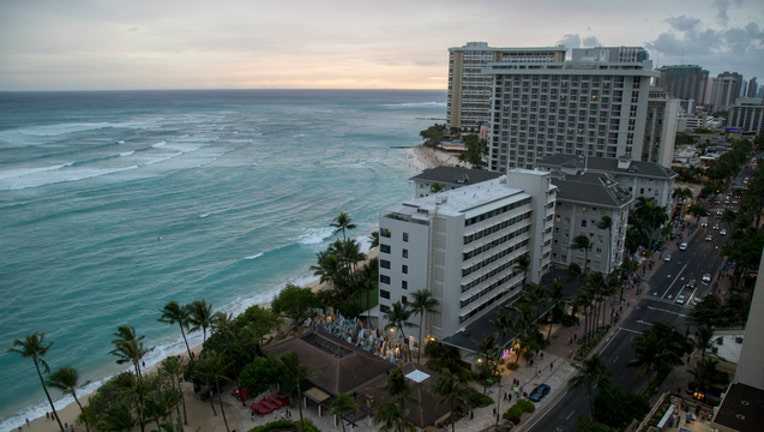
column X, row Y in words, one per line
column 725, row 88
column 746, row 115
column 640, row 179
column 660, row 128
column 686, row 82
column 583, row 201
column 590, row 105
column 463, row 246
column 469, row 90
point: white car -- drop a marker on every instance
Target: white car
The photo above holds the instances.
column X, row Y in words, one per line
column 683, row 246
column 709, row 237
column 706, row 278
column 723, row 232
column 667, row 258
column 680, row 299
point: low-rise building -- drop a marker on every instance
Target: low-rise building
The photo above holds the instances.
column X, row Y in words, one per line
column 463, row 245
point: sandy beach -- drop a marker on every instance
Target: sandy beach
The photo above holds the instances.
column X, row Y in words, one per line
column 200, row 415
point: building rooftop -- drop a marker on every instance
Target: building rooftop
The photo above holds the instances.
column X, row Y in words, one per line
column 463, row 176
column 591, row 188
column 741, row 409
column 462, row 200
column 610, row 165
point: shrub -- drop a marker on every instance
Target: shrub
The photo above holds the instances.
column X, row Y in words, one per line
column 286, row 425
column 478, row 399
column 515, row 411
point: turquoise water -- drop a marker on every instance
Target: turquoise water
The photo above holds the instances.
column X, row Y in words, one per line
column 114, row 203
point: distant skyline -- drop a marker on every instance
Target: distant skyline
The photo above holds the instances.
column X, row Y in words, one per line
column 232, row 44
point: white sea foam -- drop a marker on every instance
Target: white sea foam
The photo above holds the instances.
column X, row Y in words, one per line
column 314, row 236
column 128, row 153
column 255, row 256
column 204, row 215
column 417, row 105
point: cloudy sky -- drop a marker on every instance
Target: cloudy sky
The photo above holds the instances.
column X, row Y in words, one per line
column 174, row 44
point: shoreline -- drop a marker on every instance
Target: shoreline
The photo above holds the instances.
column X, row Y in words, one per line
column 419, row 158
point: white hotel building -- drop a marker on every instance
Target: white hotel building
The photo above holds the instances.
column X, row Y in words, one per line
column 463, row 244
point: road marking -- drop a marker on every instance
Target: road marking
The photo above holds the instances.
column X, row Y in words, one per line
column 643, row 322
column 570, row 415
column 631, row 331
column 667, row 311
column 674, row 281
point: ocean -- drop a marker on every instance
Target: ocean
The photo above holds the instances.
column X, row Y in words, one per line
column 114, row 203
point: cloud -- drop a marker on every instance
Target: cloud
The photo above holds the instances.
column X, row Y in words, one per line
column 591, row 41
column 722, row 7
column 683, row 23
column 570, row 41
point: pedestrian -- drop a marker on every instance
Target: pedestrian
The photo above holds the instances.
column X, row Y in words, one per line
column 27, row 419
column 551, row 365
column 570, row 340
column 570, row 354
column 505, row 396
column 494, row 410
column 509, row 398
column 542, row 355
column 472, row 414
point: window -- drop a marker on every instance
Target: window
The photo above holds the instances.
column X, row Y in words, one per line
column 405, row 253
column 405, row 285
column 404, row 269
column 405, row 237
column 583, row 223
column 384, row 248
column 404, row 300
column 385, row 232
column 385, row 264
column 385, row 294
column 384, row 308
column 385, row 279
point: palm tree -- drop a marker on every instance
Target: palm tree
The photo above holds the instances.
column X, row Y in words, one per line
column 592, row 373
column 200, row 316
column 452, row 391
column 398, row 318
column 392, row 415
column 606, row 224
column 373, row 239
column 128, row 347
column 66, row 379
column 522, row 265
column 343, row 403
column 296, row 373
column 214, row 367
column 34, row 347
column 342, row 223
column 682, row 195
column 658, row 350
column 173, row 313
column 582, row 241
column 702, row 341
column 424, row 303
column 172, row 368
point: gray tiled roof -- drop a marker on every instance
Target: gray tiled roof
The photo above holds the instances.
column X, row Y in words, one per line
column 636, row 168
column 463, row 176
column 592, row 188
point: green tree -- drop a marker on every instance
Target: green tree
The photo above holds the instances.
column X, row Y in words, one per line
column 129, row 348
column 173, row 313
column 659, row 349
column 424, row 303
column 295, row 303
column 214, row 368
column 342, row 404
column 260, row 374
column 200, row 317
column 294, row 373
column 606, row 224
column 34, row 347
column 592, row 373
column 66, row 379
column 393, row 415
column 374, row 240
column 682, row 195
column 617, row 409
column 172, row 368
column 450, row 388
column 582, row 242
column 707, row 376
column 522, row 265
column 342, row 223
column 397, row 318
column 702, row 340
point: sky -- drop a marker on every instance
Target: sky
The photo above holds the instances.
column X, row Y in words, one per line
column 222, row 44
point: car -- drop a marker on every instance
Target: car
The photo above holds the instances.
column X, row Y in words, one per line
column 734, row 202
column 667, row 258
column 723, row 232
column 683, row 246
column 539, row 392
column 706, row 278
column 680, row 299
column 709, row 237
column 716, row 227
column 719, row 212
column 692, row 283
column 704, row 223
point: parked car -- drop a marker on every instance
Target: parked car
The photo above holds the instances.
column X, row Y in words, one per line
column 680, row 299
column 667, row 258
column 692, row 283
column 706, row 278
column 539, row 392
